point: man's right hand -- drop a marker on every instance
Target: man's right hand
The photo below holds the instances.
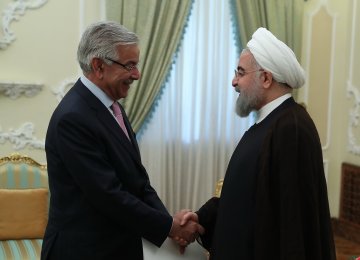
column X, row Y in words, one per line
column 185, row 228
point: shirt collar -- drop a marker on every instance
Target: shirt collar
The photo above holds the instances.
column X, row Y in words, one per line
column 101, row 95
column 269, row 107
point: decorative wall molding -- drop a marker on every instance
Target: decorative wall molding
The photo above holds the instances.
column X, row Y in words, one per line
column 14, row 90
column 354, row 117
column 22, row 137
column 326, row 168
column 322, row 4
column 11, row 13
column 353, row 91
column 62, row 88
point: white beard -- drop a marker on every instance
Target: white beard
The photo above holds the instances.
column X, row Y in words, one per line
column 247, row 102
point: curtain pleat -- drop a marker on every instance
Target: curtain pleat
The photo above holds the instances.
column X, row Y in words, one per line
column 160, row 26
column 282, row 17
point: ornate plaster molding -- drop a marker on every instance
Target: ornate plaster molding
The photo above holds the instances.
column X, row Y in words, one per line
column 14, row 90
column 62, row 88
column 12, row 12
column 353, row 91
column 354, row 120
column 22, row 137
column 322, row 5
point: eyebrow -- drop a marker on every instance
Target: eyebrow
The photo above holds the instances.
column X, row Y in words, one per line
column 131, row 62
column 240, row 68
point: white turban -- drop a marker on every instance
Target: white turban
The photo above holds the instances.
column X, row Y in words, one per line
column 275, row 56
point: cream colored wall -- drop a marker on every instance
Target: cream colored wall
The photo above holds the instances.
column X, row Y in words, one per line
column 43, row 54
column 329, row 34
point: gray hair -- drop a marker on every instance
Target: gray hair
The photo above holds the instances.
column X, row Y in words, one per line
column 100, row 40
column 253, row 61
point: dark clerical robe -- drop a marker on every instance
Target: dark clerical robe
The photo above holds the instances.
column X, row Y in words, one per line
column 274, row 202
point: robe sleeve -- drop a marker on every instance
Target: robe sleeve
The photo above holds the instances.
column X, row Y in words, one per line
column 207, row 218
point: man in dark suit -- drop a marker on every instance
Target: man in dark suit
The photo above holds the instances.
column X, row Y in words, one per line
column 274, row 202
column 102, row 203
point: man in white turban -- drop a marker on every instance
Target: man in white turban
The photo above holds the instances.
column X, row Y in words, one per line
column 274, row 202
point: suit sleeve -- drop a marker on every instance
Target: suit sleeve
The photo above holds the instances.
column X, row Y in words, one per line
column 99, row 181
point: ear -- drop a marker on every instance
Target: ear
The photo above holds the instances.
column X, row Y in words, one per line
column 268, row 79
column 97, row 65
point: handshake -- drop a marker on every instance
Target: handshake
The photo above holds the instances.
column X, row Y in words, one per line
column 185, row 228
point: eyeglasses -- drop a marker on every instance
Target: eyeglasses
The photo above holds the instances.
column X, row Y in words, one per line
column 240, row 74
column 128, row 67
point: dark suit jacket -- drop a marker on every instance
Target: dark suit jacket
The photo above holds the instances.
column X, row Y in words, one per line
column 102, row 202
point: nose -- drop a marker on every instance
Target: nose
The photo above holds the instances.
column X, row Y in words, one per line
column 136, row 74
column 234, row 82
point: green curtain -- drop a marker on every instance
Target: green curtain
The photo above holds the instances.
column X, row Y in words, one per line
column 283, row 18
column 160, row 25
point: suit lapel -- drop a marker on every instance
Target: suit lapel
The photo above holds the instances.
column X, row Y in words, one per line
column 104, row 116
column 130, row 130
